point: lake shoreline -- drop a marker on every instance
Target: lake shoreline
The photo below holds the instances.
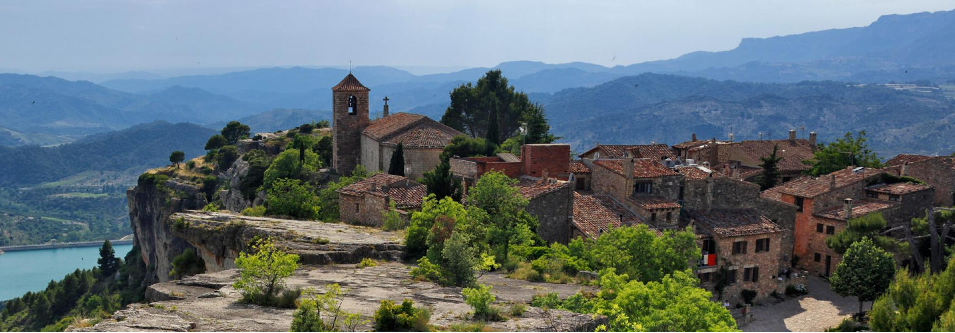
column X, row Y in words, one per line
column 14, row 248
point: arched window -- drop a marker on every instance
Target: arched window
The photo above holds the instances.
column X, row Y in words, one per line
column 352, row 104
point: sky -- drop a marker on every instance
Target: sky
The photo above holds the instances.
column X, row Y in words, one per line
column 110, row 36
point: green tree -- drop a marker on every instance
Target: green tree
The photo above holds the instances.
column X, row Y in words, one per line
column 458, row 260
column 262, row 274
column 867, row 226
column 463, row 146
column 640, row 253
column 226, row 156
column 919, row 303
column 493, row 133
column 289, row 165
column 216, row 141
column 865, row 272
column 391, row 317
column 177, row 157
column 108, row 263
column 397, row 165
column 40, row 311
column 422, row 222
column 324, row 150
column 235, row 131
column 258, row 161
column 441, row 182
column 308, row 317
column 496, row 194
column 186, row 264
column 770, row 165
column 289, row 197
column 537, row 129
column 301, row 142
column 472, row 103
column 847, row 151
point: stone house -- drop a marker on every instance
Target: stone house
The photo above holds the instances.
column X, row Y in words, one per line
column 913, row 199
column 581, row 174
column 741, row 251
column 937, row 171
column 818, row 258
column 645, row 186
column 551, row 201
column 608, row 152
column 595, row 213
column 742, row 159
column 366, row 201
column 358, row 140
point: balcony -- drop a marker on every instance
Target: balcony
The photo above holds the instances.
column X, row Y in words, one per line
column 708, row 260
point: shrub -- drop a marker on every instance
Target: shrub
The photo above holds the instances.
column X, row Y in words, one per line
column 794, row 290
column 849, row 325
column 306, row 128
column 191, row 165
column 401, row 318
column 263, row 273
column 393, row 220
column 548, row 301
column 209, row 186
column 211, row 207
column 308, row 317
column 288, row 197
column 187, row 263
column 480, row 299
column 426, row 271
column 458, row 260
column 225, row 157
column 367, row 262
column 518, row 310
column 524, row 271
column 257, row 211
column 748, row 295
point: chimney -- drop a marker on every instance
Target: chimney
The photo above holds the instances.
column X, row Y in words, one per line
column 812, row 139
column 628, row 168
column 847, row 208
column 693, row 137
column 792, row 135
column 832, row 182
column 384, row 111
column 714, row 152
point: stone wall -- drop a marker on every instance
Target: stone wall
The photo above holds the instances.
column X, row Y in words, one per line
column 346, row 140
column 936, row 171
column 611, row 183
column 784, row 215
column 366, row 210
column 719, row 192
column 913, row 205
column 370, row 154
column 767, row 262
column 554, row 212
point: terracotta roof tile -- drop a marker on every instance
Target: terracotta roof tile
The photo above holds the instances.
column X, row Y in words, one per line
column 384, row 127
column 792, row 152
column 653, row 203
column 733, row 222
column 897, row 188
column 350, row 83
column 905, row 158
column 578, row 167
column 859, row 208
column 425, row 135
column 642, row 168
column 696, row 172
column 532, row 187
column 594, row 213
column 405, row 195
column 654, row 151
column 810, row 187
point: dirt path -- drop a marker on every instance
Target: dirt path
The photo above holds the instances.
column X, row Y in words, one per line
column 820, row 309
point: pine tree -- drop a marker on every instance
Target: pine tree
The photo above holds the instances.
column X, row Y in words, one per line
column 770, row 167
column 493, row 137
column 397, row 165
column 108, row 263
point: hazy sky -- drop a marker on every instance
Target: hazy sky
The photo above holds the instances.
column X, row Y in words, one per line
column 114, row 36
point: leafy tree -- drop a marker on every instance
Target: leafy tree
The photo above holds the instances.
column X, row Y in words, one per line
column 496, row 194
column 867, row 226
column 225, row 156
column 458, row 260
column 676, row 303
column 289, row 165
column 324, row 150
column 235, row 131
column 301, row 142
column 397, row 165
column 463, row 146
column 441, row 182
column 288, row 197
column 108, row 263
column 258, row 161
column 639, row 253
column 177, row 157
column 848, row 151
column 422, row 222
column 865, row 272
column 262, row 274
column 471, row 105
column 480, row 299
column 537, row 129
column 770, row 165
column 918, row 303
column 216, row 141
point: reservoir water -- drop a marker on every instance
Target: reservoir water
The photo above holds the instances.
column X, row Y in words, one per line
column 23, row 271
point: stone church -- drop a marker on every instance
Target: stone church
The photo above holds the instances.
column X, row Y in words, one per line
column 360, row 140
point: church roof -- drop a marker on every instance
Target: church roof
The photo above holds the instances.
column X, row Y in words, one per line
column 350, row 83
column 411, row 130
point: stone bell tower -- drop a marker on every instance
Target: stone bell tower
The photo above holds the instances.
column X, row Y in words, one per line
column 350, row 117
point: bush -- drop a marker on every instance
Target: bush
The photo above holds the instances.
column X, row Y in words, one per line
column 187, row 263
column 367, row 262
column 211, row 207
column 794, row 290
column 225, row 157
column 518, row 310
column 524, row 271
column 458, row 260
column 548, row 301
column 262, row 274
column 480, row 299
column 288, row 197
column 401, row 318
column 393, row 220
column 748, row 295
column 256, row 211
column 849, row 325
column 191, row 165
column 426, row 271
column 308, row 317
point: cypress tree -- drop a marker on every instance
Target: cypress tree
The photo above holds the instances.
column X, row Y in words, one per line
column 397, row 165
column 770, row 165
column 493, row 128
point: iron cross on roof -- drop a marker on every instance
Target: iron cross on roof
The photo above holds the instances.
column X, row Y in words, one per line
column 386, row 100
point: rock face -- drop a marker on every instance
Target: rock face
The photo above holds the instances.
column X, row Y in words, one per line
column 232, row 198
column 207, row 302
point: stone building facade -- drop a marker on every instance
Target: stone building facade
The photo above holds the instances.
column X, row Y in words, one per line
column 349, row 118
column 551, row 201
column 818, row 258
column 366, row 201
column 643, row 185
column 936, row 171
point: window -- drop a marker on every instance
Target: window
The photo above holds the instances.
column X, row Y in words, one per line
column 653, row 217
column 799, row 203
column 730, row 277
column 739, row 247
column 706, row 277
column 669, row 215
column 762, row 245
column 893, row 198
column 872, row 195
column 352, row 104
column 642, row 187
column 819, row 227
column 357, row 208
column 816, row 257
column 751, row 274
column 709, row 246
column 830, row 230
